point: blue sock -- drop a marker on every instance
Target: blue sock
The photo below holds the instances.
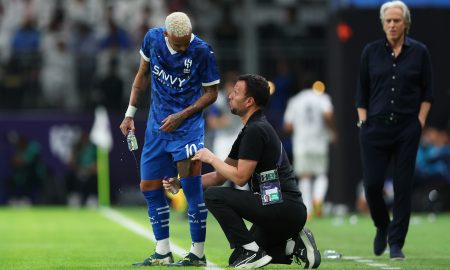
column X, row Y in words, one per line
column 158, row 212
column 197, row 212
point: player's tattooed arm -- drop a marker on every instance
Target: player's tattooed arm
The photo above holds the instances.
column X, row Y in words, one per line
column 139, row 86
column 173, row 121
column 208, row 98
column 140, row 83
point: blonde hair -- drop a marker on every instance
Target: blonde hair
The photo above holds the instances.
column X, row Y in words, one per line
column 178, row 24
column 402, row 6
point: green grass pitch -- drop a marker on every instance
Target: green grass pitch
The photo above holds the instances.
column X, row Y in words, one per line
column 65, row 238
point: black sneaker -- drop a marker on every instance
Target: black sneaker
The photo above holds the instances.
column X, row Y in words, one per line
column 237, row 252
column 251, row 259
column 305, row 249
column 156, row 259
column 190, row 260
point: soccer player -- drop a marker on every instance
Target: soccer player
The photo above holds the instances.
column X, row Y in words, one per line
column 179, row 64
column 309, row 118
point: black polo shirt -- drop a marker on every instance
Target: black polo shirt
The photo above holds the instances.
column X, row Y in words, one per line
column 259, row 141
column 394, row 86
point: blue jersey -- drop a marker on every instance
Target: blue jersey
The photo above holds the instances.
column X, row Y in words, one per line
column 176, row 81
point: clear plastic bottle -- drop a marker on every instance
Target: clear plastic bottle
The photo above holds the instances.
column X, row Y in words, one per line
column 173, row 189
column 131, row 140
column 332, row 254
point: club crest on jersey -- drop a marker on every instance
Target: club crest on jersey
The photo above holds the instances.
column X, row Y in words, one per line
column 187, row 65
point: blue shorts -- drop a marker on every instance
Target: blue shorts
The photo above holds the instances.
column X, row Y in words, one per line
column 159, row 156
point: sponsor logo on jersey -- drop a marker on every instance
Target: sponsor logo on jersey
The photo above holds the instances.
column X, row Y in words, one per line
column 166, row 78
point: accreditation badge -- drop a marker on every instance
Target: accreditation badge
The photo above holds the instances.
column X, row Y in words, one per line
column 269, row 186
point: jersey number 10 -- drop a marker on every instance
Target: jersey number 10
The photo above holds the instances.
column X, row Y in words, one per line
column 190, row 150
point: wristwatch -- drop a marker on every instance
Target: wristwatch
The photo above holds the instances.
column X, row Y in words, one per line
column 360, row 123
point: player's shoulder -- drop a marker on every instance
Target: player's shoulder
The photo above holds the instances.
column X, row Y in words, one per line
column 157, row 30
column 198, row 42
column 155, row 33
column 201, row 46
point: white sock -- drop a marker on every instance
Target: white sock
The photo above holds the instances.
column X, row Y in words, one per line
column 162, row 246
column 305, row 187
column 251, row 246
column 290, row 244
column 320, row 187
column 198, row 249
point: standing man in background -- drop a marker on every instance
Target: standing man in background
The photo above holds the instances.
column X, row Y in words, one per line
column 309, row 117
column 179, row 64
column 394, row 95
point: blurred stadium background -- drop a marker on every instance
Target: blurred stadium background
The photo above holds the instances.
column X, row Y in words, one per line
column 59, row 60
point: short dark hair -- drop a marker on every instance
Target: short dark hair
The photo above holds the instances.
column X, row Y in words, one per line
column 257, row 88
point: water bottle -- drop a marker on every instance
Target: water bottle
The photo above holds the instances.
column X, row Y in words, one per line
column 332, row 254
column 173, row 189
column 131, row 140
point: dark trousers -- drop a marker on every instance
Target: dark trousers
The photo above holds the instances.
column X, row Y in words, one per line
column 381, row 142
column 272, row 224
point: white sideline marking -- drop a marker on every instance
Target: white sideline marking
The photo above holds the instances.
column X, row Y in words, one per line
column 365, row 261
column 378, row 265
column 354, row 258
column 370, row 262
column 138, row 229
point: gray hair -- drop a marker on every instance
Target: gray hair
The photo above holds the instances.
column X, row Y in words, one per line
column 178, row 24
column 402, row 6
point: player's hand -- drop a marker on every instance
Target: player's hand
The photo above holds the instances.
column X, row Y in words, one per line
column 127, row 124
column 172, row 122
column 204, row 155
column 172, row 184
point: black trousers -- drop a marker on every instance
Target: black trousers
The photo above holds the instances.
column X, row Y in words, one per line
column 383, row 141
column 272, row 224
